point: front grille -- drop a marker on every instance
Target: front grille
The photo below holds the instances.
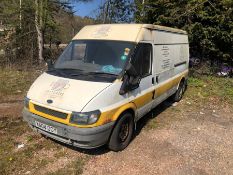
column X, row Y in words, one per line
column 51, row 112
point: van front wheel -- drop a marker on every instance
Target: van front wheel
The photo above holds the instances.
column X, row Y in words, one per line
column 122, row 133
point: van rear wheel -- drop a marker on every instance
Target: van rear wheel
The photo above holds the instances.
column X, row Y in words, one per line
column 122, row 133
column 180, row 91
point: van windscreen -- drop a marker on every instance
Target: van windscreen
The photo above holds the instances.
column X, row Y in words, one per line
column 102, row 56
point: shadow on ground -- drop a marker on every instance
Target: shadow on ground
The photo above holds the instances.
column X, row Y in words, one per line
column 151, row 115
column 139, row 126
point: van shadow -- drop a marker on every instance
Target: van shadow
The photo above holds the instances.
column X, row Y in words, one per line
column 152, row 115
column 94, row 151
column 139, row 126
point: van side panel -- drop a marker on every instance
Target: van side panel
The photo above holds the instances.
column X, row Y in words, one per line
column 171, row 54
column 171, row 60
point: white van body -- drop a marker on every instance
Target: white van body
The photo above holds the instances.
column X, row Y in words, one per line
column 54, row 98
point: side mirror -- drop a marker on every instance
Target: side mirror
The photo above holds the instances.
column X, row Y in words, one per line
column 131, row 80
column 49, row 63
column 131, row 71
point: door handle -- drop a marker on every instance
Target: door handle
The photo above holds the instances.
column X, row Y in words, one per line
column 153, row 80
column 157, row 79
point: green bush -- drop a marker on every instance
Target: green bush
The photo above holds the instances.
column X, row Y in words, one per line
column 208, row 23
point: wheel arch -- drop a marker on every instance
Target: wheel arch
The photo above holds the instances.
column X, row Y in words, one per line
column 130, row 107
column 182, row 79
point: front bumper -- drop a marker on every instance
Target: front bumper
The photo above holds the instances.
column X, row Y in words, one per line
column 79, row 137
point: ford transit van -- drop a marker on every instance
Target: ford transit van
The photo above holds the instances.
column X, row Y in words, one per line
column 107, row 78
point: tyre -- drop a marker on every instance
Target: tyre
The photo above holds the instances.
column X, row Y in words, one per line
column 180, row 91
column 122, row 133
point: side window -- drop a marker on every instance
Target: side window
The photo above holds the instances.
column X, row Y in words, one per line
column 142, row 59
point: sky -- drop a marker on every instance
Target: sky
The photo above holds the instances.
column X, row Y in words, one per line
column 86, row 9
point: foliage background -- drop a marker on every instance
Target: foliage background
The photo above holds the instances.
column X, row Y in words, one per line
column 209, row 24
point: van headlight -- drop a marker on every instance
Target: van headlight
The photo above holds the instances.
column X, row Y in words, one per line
column 85, row 118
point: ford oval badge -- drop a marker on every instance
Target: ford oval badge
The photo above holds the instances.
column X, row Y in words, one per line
column 49, row 101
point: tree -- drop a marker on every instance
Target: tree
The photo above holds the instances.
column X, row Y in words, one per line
column 20, row 32
column 208, row 22
column 31, row 21
column 116, row 11
column 44, row 18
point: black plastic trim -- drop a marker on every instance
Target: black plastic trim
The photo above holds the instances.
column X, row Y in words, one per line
column 179, row 64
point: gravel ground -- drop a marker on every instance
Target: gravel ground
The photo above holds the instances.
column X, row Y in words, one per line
column 195, row 141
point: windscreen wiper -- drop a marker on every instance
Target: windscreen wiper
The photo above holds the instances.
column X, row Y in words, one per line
column 73, row 75
column 102, row 73
column 68, row 71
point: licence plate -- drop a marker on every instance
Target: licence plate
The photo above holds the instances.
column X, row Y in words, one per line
column 45, row 127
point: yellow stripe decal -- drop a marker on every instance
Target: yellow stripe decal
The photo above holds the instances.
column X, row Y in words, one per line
column 105, row 117
column 143, row 100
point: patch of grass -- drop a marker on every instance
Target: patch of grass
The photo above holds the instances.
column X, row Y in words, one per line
column 30, row 138
column 152, row 124
column 3, row 170
column 13, row 82
column 75, row 168
column 13, row 127
column 175, row 109
column 13, row 162
column 6, row 146
column 195, row 82
column 52, row 144
column 43, row 162
column 60, row 153
column 209, row 86
column 229, row 91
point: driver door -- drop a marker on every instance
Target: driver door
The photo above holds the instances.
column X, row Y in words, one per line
column 143, row 96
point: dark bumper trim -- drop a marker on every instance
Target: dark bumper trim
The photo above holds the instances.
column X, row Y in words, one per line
column 80, row 137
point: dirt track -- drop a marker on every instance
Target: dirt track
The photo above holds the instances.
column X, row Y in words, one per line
column 185, row 138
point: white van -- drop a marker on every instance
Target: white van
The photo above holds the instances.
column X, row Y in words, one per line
column 106, row 79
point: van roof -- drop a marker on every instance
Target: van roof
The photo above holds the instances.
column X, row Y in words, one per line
column 164, row 28
column 123, row 32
